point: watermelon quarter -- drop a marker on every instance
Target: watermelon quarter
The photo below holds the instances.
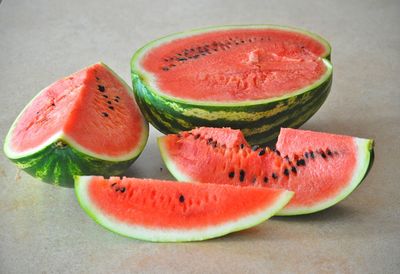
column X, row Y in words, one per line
column 253, row 78
column 86, row 123
column 320, row 168
column 168, row 211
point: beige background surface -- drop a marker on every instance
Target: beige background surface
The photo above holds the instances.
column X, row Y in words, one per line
column 42, row 228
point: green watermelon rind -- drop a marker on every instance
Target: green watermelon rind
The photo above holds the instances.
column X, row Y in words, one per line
column 43, row 161
column 364, row 163
column 259, row 120
column 172, row 235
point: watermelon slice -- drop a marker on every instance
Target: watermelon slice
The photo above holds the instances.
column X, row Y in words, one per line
column 86, row 123
column 168, row 211
column 257, row 78
column 322, row 169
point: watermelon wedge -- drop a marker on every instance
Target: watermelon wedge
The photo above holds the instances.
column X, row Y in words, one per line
column 321, row 168
column 86, row 123
column 168, row 211
column 257, row 78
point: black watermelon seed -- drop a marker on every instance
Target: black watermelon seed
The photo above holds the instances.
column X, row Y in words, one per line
column 53, row 104
column 117, row 97
column 301, row 162
column 111, row 107
column 209, row 141
column 231, row 174
column 312, row 155
column 323, row 154
column 276, row 151
column 306, row 155
column 241, row 175
column 166, row 60
column 122, row 189
column 265, row 179
column 105, row 96
column 197, row 136
column 113, row 184
column 182, row 59
column 165, row 68
column 329, row 152
column 196, row 56
column 214, row 144
column 116, row 100
column 97, row 78
column 181, row 198
column 294, row 170
column 241, row 146
column 254, row 148
column 101, row 88
column 287, row 158
column 274, row 176
column 262, row 152
column 105, row 114
column 286, row 172
column 109, row 102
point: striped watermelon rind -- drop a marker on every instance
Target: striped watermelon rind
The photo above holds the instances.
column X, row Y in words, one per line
column 60, row 158
column 259, row 120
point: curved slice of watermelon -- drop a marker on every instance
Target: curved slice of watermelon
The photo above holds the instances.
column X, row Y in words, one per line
column 86, row 123
column 322, row 169
column 345, row 162
column 168, row 211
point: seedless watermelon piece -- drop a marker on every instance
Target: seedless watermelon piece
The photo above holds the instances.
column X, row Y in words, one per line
column 86, row 123
column 168, row 211
column 322, row 169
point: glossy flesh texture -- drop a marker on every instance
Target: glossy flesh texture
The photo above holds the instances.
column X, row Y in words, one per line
column 157, row 210
column 235, row 65
column 320, row 168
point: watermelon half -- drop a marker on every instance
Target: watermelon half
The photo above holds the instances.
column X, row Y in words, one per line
column 254, row 78
column 320, row 168
column 86, row 123
column 168, row 211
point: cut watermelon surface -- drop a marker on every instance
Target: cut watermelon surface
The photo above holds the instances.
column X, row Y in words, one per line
column 322, row 169
column 168, row 211
column 256, row 78
column 86, row 123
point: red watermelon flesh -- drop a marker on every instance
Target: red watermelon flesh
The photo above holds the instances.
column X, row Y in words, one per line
column 236, row 64
column 320, row 168
column 87, row 109
column 158, row 210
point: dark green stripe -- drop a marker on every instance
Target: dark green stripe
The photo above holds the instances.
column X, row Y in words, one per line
column 161, row 115
column 57, row 166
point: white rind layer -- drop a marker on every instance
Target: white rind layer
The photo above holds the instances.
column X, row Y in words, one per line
column 173, row 235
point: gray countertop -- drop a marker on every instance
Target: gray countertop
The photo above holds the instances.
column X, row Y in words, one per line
column 43, row 229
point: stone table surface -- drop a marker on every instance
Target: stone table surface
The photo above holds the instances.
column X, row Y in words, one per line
column 43, row 229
